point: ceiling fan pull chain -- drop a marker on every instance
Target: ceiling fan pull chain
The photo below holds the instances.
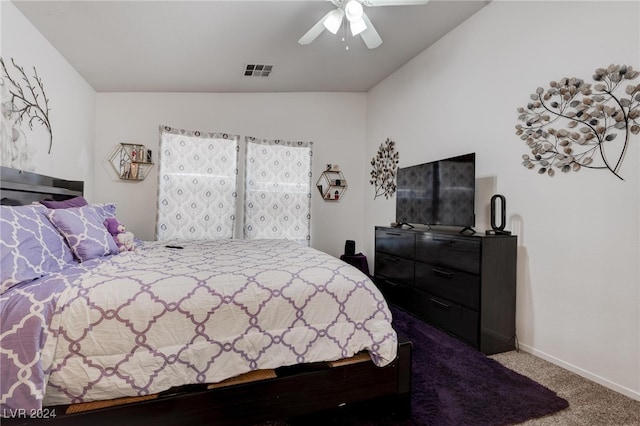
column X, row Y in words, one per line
column 345, row 36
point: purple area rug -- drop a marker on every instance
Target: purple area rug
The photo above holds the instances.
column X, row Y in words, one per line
column 453, row 384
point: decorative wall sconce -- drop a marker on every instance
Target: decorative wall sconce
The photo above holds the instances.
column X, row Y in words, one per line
column 332, row 184
column 598, row 122
column 131, row 161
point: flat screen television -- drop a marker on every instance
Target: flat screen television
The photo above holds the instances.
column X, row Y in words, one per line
column 437, row 193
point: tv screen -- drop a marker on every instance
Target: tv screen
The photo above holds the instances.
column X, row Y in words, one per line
column 437, row 193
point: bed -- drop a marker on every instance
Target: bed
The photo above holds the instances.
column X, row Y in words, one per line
column 182, row 332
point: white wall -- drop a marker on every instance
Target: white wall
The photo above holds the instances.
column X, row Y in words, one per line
column 71, row 101
column 578, row 289
column 334, row 122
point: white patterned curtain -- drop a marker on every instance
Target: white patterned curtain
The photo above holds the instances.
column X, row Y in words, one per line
column 196, row 185
column 277, row 190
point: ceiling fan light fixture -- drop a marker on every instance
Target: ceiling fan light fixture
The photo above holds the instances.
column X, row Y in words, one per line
column 353, row 11
column 357, row 27
column 333, row 21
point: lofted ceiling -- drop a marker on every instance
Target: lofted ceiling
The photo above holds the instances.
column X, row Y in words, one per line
column 204, row 46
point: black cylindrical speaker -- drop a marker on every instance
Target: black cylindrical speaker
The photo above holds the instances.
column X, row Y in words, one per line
column 503, row 215
column 350, row 247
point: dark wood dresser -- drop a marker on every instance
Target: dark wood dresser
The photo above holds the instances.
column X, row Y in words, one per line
column 462, row 284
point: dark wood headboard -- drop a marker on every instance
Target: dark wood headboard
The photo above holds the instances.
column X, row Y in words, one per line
column 18, row 187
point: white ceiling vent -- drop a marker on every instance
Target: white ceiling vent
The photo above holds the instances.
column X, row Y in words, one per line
column 258, row 70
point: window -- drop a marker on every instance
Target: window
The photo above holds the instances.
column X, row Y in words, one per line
column 197, row 185
column 277, row 190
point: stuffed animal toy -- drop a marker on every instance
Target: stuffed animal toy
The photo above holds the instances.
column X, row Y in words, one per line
column 123, row 238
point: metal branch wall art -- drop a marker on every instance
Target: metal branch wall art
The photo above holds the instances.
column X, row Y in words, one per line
column 385, row 166
column 24, row 101
column 574, row 125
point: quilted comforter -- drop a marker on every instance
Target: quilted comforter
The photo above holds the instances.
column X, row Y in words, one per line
column 142, row 322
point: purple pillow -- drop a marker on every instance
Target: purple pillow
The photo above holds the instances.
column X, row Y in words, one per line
column 84, row 231
column 105, row 210
column 65, row 204
column 30, row 247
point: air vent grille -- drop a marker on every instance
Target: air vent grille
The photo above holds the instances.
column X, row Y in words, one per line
column 258, row 70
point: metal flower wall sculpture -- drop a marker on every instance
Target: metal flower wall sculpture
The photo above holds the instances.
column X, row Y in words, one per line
column 385, row 167
column 599, row 122
column 27, row 99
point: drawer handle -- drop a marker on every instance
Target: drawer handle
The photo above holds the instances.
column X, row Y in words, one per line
column 395, row 234
column 440, row 304
column 441, row 273
column 442, row 240
column 391, row 283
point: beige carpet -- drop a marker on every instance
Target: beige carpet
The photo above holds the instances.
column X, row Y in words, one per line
column 589, row 402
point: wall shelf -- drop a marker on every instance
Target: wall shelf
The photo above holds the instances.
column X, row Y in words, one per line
column 131, row 161
column 332, row 184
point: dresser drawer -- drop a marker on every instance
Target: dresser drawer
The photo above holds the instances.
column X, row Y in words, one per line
column 394, row 268
column 450, row 251
column 451, row 317
column 401, row 244
column 452, row 284
column 396, row 293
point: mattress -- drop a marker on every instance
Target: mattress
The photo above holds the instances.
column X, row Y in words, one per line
column 142, row 322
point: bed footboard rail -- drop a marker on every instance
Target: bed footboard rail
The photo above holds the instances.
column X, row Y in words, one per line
column 292, row 392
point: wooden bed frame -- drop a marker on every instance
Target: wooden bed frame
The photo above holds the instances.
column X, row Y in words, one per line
column 259, row 396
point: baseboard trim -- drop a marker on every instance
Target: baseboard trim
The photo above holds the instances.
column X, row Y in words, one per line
column 581, row 372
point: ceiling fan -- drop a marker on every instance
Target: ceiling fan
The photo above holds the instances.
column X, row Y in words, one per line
column 359, row 22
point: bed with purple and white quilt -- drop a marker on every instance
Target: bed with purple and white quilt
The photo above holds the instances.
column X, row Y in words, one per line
column 140, row 322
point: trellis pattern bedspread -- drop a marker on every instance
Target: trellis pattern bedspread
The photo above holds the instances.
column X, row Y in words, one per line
column 141, row 322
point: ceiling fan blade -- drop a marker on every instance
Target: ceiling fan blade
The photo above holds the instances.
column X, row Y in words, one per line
column 394, row 2
column 314, row 32
column 370, row 36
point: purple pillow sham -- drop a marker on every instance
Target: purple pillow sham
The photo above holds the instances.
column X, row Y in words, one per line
column 105, row 210
column 84, row 231
column 30, row 247
column 65, row 204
